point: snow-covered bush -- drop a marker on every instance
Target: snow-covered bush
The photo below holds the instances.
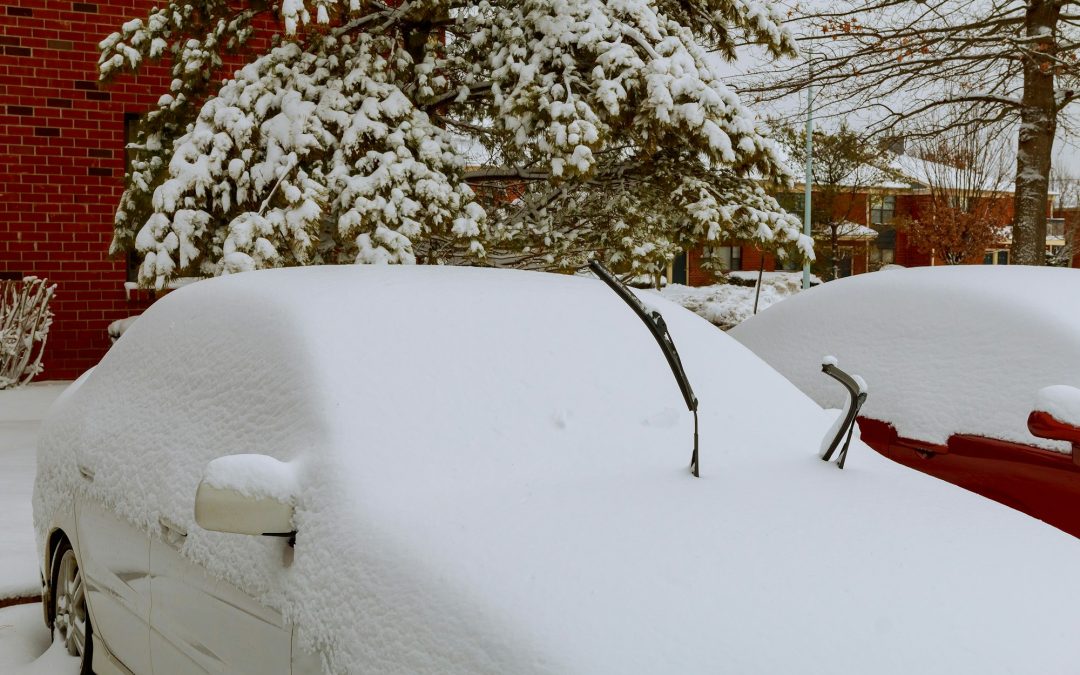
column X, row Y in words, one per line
column 25, row 318
column 117, row 328
column 527, row 133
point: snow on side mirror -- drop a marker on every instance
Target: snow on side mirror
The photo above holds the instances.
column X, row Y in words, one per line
column 845, row 421
column 1057, row 416
column 247, row 494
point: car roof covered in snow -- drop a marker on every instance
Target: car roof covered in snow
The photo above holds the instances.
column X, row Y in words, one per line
column 945, row 350
column 493, row 478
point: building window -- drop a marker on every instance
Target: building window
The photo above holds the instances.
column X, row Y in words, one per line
column 996, row 256
column 882, row 209
column 726, row 258
column 883, row 249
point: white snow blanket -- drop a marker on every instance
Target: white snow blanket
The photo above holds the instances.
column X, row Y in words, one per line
column 726, row 305
column 492, row 472
column 945, row 350
column 21, row 411
column 26, row 647
column 1061, row 402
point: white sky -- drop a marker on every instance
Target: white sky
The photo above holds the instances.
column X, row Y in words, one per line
column 1066, row 146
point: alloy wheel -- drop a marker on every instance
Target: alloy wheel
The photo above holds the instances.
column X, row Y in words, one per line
column 70, row 620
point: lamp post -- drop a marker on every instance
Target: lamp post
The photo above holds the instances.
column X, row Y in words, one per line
column 809, row 179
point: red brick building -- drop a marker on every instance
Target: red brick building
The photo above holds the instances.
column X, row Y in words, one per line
column 62, row 165
column 872, row 235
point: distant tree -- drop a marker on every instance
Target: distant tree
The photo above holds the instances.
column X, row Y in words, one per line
column 485, row 131
column 966, row 173
column 1005, row 60
column 845, row 164
column 1066, row 185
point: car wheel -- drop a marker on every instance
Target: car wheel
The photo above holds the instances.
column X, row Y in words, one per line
column 71, row 621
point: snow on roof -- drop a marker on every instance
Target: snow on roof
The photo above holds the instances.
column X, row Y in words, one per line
column 898, row 172
column 925, row 172
column 946, row 350
column 493, row 472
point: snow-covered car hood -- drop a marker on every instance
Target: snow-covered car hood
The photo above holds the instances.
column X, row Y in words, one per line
column 493, row 472
column 946, row 350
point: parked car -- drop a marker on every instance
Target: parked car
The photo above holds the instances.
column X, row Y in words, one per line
column 965, row 366
column 451, row 470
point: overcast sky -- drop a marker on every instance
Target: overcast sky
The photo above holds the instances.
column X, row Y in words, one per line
column 751, row 60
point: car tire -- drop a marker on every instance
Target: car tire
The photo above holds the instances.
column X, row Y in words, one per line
column 71, row 620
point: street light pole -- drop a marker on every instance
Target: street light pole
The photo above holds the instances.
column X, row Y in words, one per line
column 809, row 165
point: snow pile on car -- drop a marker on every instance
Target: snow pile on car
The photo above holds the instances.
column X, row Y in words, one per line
column 493, row 478
column 946, row 350
column 1061, row 402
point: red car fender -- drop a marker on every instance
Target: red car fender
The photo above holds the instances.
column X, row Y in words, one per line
column 1039, row 482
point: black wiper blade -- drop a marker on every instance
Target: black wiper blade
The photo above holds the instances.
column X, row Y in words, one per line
column 846, row 426
column 658, row 327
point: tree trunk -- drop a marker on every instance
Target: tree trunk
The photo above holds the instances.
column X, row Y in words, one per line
column 1038, row 124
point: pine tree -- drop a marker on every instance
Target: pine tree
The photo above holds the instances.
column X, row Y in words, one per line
column 531, row 132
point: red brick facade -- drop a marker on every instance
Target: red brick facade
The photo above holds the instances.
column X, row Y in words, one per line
column 62, row 165
column 855, row 209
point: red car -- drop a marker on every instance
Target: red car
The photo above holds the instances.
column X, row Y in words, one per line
column 971, row 373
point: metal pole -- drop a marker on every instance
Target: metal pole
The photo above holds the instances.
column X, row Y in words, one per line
column 809, row 166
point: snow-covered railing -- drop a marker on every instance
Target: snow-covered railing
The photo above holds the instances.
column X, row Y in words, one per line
column 24, row 325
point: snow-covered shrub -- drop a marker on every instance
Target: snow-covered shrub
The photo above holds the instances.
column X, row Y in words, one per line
column 492, row 131
column 118, row 327
column 25, row 318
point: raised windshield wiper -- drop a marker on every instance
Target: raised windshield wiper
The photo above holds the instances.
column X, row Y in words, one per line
column 658, row 327
column 844, row 425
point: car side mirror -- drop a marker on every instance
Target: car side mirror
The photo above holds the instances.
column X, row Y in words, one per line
column 1057, row 416
column 247, row 494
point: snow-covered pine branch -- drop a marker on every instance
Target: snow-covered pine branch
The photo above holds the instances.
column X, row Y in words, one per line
column 379, row 133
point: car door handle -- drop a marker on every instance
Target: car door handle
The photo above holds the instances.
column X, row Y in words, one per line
column 172, row 533
column 86, row 472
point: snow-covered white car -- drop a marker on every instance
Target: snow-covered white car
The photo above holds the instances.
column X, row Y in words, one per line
column 974, row 373
column 480, row 471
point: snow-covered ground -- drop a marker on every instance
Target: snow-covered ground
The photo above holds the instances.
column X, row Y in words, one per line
column 728, row 305
column 21, row 411
column 25, row 644
column 24, row 639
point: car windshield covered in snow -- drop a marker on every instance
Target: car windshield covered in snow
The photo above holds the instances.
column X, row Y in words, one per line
column 488, row 475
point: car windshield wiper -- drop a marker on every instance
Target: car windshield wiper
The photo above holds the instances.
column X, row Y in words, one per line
column 844, row 426
column 658, row 327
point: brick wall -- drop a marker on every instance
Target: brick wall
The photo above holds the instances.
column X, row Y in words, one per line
column 751, row 259
column 62, row 166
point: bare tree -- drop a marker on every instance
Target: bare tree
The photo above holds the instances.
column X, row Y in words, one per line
column 1066, row 225
column 1005, row 60
column 965, row 210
